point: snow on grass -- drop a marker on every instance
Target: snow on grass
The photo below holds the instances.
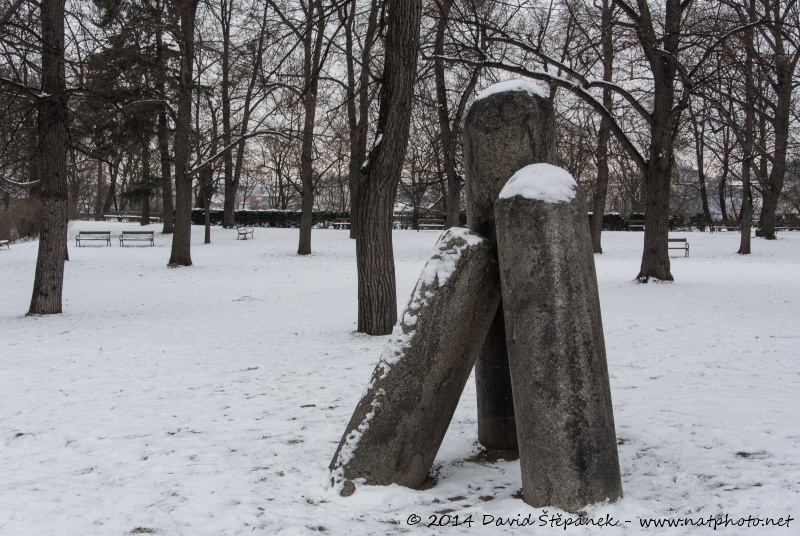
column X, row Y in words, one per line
column 519, row 84
column 541, row 182
column 209, row 400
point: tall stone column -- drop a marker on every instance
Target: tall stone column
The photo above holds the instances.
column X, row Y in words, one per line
column 554, row 332
column 510, row 125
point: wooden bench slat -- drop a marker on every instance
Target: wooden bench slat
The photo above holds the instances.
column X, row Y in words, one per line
column 93, row 235
column 430, row 223
column 137, row 236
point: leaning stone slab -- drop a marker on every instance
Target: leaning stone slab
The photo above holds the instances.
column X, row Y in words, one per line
column 510, row 125
column 554, row 332
column 400, row 422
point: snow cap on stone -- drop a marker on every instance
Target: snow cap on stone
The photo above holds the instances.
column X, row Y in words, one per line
column 541, row 182
column 519, row 84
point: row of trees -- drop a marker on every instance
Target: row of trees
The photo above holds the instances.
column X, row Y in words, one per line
column 187, row 100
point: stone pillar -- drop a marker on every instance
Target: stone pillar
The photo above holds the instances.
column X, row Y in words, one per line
column 510, row 125
column 400, row 422
column 554, row 332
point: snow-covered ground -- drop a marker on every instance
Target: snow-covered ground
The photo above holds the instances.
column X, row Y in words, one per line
column 209, row 400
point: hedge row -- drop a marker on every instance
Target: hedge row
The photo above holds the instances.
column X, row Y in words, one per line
column 291, row 218
column 268, row 218
column 325, row 219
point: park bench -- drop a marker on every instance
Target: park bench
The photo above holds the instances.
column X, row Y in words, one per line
column 5, row 242
column 93, row 235
column 242, row 232
column 136, row 236
column 678, row 243
column 341, row 223
column 788, row 226
column 727, row 225
column 636, row 225
column 430, row 224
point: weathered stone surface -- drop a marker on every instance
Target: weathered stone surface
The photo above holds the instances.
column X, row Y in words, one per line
column 400, row 422
column 496, row 426
column 502, row 133
column 562, row 398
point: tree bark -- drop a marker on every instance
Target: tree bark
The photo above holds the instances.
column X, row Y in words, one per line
column 181, row 238
column 146, row 184
column 358, row 104
column 604, row 135
column 162, row 133
column 312, row 57
column 98, row 203
column 226, row 12
column 51, row 156
column 377, row 295
column 784, row 84
column 452, row 197
column 111, row 195
column 664, row 125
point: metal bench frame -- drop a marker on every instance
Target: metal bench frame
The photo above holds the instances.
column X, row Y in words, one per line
column 242, row 232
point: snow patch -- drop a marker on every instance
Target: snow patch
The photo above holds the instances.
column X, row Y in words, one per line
column 541, row 182
column 351, row 442
column 520, row 84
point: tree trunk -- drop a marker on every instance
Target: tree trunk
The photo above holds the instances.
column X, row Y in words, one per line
column 111, row 195
column 167, row 208
column 655, row 256
column 604, row 136
column 146, row 184
column 312, row 53
column 226, row 10
column 452, row 197
column 377, row 295
column 98, row 203
column 723, row 181
column 748, row 141
column 358, row 105
column 52, row 165
column 663, row 130
column 698, row 129
column 181, row 239
column 772, row 186
column 206, row 192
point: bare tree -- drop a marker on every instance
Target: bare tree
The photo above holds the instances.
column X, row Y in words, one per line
column 377, row 295
column 358, row 94
column 51, row 155
column 185, row 11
